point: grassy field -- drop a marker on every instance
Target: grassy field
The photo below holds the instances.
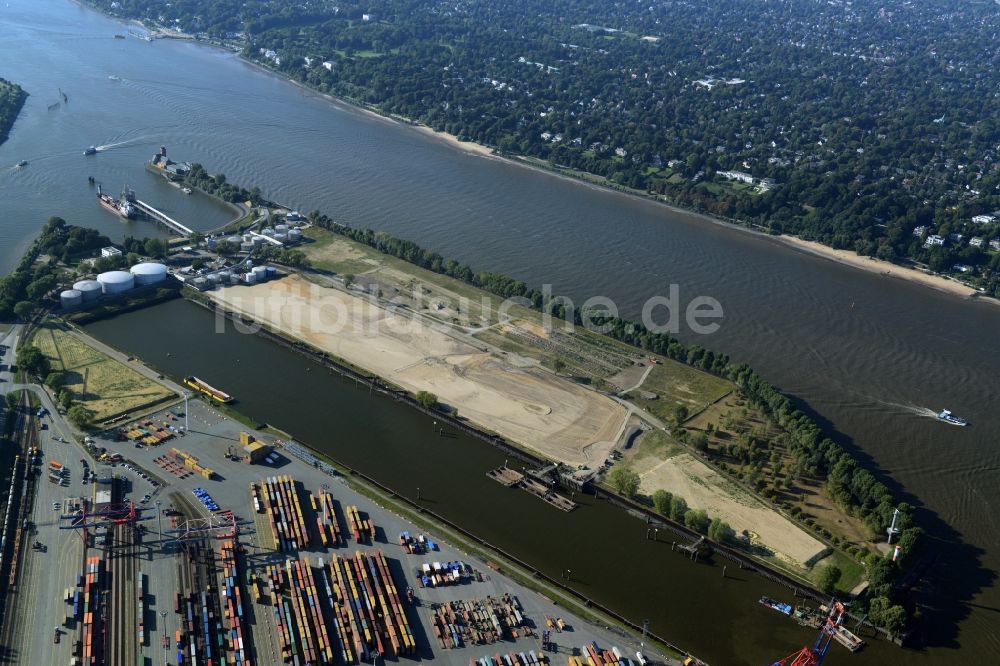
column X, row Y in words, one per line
column 444, row 298
column 98, row 382
column 676, row 384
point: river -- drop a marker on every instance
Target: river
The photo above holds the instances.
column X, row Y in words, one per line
column 868, row 353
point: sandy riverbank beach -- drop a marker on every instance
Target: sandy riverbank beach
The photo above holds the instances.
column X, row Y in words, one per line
column 880, row 267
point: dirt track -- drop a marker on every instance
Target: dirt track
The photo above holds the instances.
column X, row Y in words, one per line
column 531, row 407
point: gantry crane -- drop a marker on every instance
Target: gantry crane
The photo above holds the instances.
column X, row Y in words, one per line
column 814, row 656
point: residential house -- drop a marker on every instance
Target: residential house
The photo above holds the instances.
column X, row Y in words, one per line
column 984, row 219
column 933, row 240
column 976, row 242
column 741, row 176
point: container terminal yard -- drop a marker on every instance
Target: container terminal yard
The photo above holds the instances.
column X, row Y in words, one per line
column 183, row 538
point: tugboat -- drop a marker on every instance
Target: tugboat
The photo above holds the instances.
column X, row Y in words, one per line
column 91, row 151
column 948, row 417
column 22, row 163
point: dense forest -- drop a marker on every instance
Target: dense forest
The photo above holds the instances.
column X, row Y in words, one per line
column 11, row 100
column 864, row 126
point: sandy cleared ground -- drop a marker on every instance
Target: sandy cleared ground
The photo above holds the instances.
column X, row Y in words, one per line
column 553, row 416
column 703, row 488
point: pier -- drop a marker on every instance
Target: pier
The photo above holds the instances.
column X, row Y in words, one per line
column 505, row 476
column 692, row 548
column 541, row 490
column 514, row 479
column 162, row 218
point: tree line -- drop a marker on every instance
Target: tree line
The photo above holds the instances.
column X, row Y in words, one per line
column 12, row 98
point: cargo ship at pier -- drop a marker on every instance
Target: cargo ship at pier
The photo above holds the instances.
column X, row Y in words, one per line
column 212, row 392
column 122, row 207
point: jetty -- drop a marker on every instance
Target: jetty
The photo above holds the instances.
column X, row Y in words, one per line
column 505, row 476
column 512, row 478
column 692, row 548
column 162, row 218
column 539, row 489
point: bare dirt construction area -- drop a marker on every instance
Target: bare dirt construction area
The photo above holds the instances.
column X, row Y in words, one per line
column 661, row 466
column 551, row 415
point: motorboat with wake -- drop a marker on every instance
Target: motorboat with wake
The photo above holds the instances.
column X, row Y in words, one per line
column 950, row 418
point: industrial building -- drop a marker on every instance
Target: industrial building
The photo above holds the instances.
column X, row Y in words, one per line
column 71, row 298
column 148, row 273
column 91, row 290
column 113, row 283
column 116, row 282
column 254, row 451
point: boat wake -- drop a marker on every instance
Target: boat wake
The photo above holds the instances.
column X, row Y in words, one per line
column 117, row 144
column 911, row 408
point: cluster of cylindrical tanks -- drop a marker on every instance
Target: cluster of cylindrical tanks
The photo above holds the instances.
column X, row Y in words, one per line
column 111, row 283
column 283, row 234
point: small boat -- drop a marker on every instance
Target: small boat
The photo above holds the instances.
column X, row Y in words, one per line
column 112, row 77
column 91, row 151
column 767, row 602
column 119, row 36
column 186, row 190
column 22, row 163
column 844, row 636
column 948, row 417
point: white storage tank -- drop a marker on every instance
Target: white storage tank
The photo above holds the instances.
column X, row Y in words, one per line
column 235, row 240
column 250, row 278
column 295, row 235
column 269, row 231
column 281, row 227
column 116, row 282
column 71, row 298
column 260, row 273
column 90, row 289
column 281, row 237
column 246, row 247
column 148, row 273
column 258, row 240
column 200, row 283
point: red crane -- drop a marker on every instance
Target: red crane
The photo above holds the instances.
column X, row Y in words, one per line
column 814, row 656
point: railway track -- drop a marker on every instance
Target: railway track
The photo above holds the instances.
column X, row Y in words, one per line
column 25, row 437
column 123, row 627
